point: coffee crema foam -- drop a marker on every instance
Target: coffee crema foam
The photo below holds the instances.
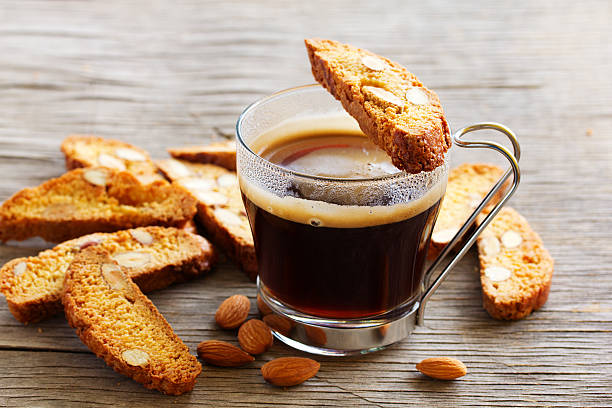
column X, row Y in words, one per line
column 336, row 203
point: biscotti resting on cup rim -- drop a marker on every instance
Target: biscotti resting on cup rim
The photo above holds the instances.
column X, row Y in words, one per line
column 220, row 208
column 515, row 268
column 121, row 325
column 89, row 200
column 153, row 257
column 92, row 151
column 391, row 105
column 467, row 185
column 220, row 153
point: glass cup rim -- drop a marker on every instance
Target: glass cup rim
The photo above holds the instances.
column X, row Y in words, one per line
column 400, row 175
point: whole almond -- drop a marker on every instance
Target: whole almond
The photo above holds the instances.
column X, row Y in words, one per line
column 289, row 371
column 279, row 323
column 233, row 311
column 255, row 337
column 442, row 368
column 223, row 354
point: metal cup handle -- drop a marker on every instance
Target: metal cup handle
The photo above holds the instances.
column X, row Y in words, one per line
column 514, row 169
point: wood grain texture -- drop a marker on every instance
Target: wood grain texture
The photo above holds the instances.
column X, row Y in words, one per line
column 160, row 74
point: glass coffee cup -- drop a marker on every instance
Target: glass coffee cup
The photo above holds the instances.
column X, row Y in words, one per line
column 342, row 260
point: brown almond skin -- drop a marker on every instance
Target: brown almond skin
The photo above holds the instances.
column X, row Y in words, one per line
column 223, row 354
column 442, row 368
column 255, row 337
column 233, row 311
column 279, row 323
column 289, row 371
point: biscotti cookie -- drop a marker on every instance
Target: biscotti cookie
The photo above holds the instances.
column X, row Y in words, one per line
column 95, row 199
column 391, row 105
column 220, row 153
column 93, row 151
column 467, row 185
column 515, row 268
column 121, row 325
column 220, row 208
column 154, row 257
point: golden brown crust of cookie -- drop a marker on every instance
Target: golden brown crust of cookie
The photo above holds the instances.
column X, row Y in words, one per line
column 391, row 105
column 220, row 208
column 467, row 186
column 515, row 268
column 239, row 247
column 31, row 310
column 220, row 153
column 121, row 325
column 98, row 199
column 172, row 255
column 93, row 151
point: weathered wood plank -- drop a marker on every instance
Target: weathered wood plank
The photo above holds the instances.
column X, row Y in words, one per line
column 171, row 73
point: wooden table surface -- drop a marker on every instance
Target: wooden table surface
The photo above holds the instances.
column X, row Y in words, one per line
column 161, row 73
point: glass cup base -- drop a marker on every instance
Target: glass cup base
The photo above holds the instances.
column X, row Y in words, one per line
column 336, row 337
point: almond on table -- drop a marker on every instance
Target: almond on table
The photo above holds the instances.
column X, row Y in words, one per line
column 223, row 354
column 442, row 368
column 233, row 311
column 95, row 199
column 289, row 371
column 153, row 257
column 515, row 268
column 220, row 153
column 220, row 208
column 255, row 337
column 467, row 185
column 93, row 151
column 121, row 325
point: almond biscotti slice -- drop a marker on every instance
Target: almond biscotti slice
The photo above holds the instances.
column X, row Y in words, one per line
column 391, row 105
column 154, row 257
column 220, row 153
column 220, row 208
column 515, row 268
column 467, row 185
column 121, row 325
column 89, row 200
column 93, row 151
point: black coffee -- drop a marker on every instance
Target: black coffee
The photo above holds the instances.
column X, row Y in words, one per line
column 339, row 265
